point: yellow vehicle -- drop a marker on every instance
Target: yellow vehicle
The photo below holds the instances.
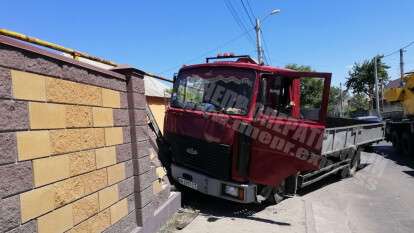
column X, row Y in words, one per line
column 399, row 113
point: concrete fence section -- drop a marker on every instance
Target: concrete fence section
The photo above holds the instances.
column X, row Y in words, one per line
column 76, row 152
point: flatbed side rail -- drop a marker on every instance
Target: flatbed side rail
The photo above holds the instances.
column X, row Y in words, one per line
column 340, row 138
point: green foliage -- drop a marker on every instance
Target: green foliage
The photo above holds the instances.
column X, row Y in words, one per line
column 361, row 79
column 168, row 91
column 334, row 101
column 312, row 91
column 358, row 104
column 311, row 88
column 193, row 95
column 297, row 67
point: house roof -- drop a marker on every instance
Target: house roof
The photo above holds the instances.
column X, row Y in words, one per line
column 393, row 83
column 155, row 87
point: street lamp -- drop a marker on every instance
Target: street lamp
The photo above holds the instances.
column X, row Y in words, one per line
column 258, row 35
column 275, row 11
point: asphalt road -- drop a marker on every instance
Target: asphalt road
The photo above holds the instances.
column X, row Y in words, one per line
column 380, row 198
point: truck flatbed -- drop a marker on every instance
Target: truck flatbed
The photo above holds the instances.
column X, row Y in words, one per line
column 342, row 134
column 343, row 137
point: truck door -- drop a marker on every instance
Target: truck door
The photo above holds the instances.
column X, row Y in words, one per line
column 288, row 126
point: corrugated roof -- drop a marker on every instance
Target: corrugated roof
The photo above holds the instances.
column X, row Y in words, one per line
column 156, row 87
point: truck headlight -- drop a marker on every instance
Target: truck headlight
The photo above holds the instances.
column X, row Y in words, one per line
column 236, row 192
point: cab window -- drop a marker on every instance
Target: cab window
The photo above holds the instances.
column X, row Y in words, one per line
column 277, row 95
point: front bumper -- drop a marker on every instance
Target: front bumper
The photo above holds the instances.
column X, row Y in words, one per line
column 214, row 187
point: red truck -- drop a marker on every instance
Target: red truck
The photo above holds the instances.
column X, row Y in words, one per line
column 247, row 132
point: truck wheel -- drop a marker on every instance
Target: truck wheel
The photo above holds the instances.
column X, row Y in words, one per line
column 407, row 146
column 396, row 141
column 355, row 163
column 277, row 195
column 353, row 166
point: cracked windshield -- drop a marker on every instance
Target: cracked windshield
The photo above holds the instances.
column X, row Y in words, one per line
column 214, row 90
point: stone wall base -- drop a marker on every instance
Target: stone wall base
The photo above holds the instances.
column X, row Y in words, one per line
column 162, row 214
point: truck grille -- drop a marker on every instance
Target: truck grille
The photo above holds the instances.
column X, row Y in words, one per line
column 212, row 159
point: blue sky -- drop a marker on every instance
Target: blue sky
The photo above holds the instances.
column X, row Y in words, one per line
column 160, row 36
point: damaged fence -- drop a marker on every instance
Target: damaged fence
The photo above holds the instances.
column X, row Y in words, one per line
column 76, row 152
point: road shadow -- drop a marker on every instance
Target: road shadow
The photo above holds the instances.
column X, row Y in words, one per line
column 387, row 151
column 411, row 173
column 327, row 181
column 215, row 209
column 330, row 180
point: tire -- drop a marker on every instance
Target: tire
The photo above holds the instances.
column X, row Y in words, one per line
column 355, row 163
column 407, row 146
column 369, row 149
column 396, row 141
column 277, row 195
column 291, row 185
column 351, row 170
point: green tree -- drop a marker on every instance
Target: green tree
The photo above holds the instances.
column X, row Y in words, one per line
column 334, row 101
column 312, row 90
column 297, row 67
column 358, row 104
column 361, row 78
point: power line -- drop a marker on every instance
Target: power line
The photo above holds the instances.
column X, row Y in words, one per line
column 408, row 45
column 239, row 22
column 390, row 54
column 208, row 52
column 247, row 12
column 237, row 18
column 266, row 49
column 250, row 8
column 398, row 50
column 250, row 16
column 234, row 14
column 253, row 25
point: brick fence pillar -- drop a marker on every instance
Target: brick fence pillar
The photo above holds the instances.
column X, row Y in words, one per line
column 144, row 173
column 153, row 204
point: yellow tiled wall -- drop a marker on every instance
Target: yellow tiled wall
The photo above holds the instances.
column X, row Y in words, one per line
column 71, row 143
column 158, row 108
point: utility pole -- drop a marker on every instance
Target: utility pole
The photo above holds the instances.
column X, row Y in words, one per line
column 382, row 94
column 259, row 35
column 402, row 67
column 377, row 101
column 341, row 98
column 259, row 42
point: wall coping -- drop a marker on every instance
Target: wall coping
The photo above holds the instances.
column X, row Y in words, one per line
column 33, row 49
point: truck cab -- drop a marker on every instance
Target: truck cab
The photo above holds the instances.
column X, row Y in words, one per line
column 240, row 131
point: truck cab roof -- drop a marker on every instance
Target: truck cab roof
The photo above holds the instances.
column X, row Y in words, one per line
column 245, row 62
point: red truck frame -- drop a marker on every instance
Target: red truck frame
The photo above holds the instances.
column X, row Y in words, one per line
column 238, row 130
